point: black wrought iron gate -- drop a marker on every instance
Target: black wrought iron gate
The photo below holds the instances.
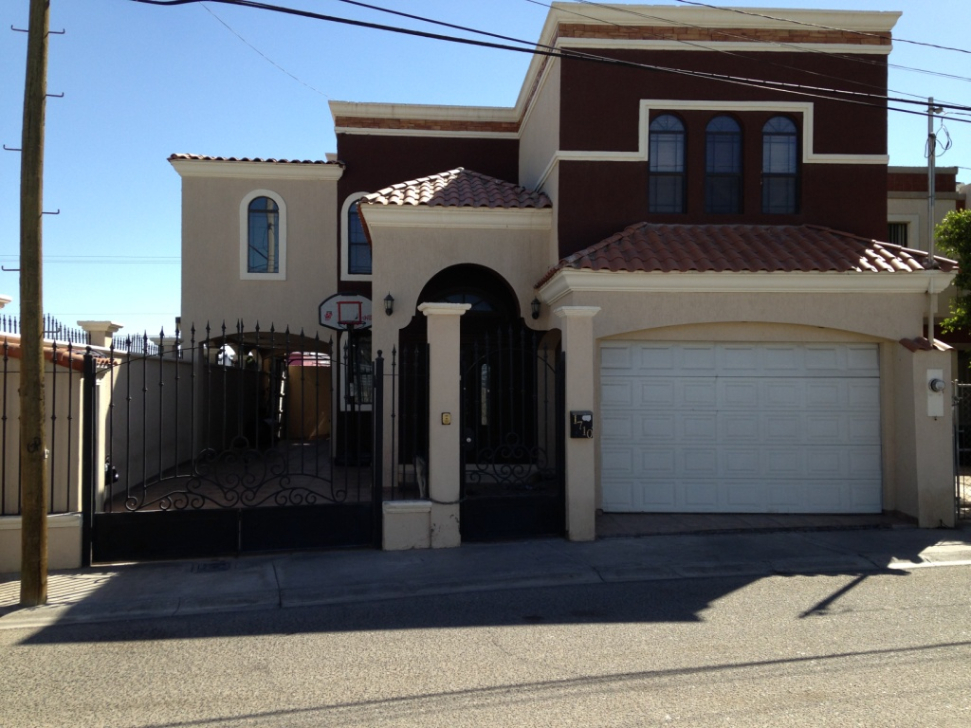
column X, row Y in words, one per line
column 224, row 447
column 512, row 437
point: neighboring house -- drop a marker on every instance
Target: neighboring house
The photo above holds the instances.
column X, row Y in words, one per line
column 907, row 206
column 703, row 250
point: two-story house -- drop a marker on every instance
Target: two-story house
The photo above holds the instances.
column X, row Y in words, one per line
column 684, row 204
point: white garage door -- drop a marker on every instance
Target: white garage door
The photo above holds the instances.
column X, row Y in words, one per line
column 744, row 428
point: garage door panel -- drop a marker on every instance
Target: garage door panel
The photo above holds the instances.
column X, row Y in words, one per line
column 743, row 428
column 738, row 463
column 697, row 393
column 619, row 427
column 697, row 427
column 739, row 427
column 700, row 495
column 785, row 462
column 615, row 356
column 616, row 394
column 658, row 427
column 698, row 462
column 781, row 427
column 659, row 462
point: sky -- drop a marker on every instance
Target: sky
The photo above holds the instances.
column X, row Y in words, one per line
column 142, row 82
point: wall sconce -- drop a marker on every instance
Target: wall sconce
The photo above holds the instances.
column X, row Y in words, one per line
column 389, row 304
column 534, row 307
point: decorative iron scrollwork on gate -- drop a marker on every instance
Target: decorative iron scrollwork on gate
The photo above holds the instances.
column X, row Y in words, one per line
column 249, row 429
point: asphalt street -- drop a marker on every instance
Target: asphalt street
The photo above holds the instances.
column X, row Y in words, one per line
column 867, row 648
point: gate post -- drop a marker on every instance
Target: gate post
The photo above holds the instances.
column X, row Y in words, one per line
column 89, row 460
column 444, row 439
column 581, row 469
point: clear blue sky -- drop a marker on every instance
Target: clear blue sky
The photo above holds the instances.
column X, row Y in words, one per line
column 141, row 82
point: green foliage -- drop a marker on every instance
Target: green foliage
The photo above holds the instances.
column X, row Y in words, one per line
column 953, row 238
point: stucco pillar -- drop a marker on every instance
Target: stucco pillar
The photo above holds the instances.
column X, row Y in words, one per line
column 100, row 332
column 444, row 440
column 925, row 436
column 581, row 475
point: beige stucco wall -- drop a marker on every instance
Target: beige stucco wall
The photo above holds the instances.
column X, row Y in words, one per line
column 63, row 542
column 211, row 286
column 406, row 258
column 541, row 130
column 911, row 207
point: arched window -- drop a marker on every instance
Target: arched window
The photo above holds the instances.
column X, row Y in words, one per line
column 355, row 249
column 263, row 246
column 780, row 172
column 723, row 166
column 358, row 249
column 666, row 165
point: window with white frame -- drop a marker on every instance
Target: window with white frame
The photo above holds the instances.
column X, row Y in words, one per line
column 666, row 164
column 780, row 170
column 355, row 249
column 263, row 236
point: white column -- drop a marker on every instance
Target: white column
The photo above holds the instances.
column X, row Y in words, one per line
column 581, row 474
column 444, row 439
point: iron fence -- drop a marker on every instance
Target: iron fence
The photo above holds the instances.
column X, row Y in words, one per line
column 962, row 450
column 63, row 364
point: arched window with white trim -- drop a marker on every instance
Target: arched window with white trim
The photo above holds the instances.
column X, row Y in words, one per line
column 263, row 236
column 355, row 248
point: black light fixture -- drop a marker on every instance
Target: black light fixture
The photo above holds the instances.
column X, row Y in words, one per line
column 534, row 307
column 389, row 304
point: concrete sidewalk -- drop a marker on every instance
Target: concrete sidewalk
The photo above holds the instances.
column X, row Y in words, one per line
column 133, row 591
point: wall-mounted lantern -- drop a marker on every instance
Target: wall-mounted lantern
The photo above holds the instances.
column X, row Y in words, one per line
column 534, row 307
column 389, row 304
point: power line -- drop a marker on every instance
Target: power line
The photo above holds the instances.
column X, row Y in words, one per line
column 261, row 53
column 799, row 48
column 790, row 88
column 723, row 51
column 740, row 11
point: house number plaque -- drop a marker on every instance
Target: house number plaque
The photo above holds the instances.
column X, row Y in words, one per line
column 581, row 424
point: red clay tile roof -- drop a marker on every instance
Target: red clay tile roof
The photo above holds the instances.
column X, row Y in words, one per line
column 68, row 356
column 248, row 159
column 459, row 188
column 750, row 248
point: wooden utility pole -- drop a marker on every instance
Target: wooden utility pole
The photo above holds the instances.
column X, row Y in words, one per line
column 33, row 442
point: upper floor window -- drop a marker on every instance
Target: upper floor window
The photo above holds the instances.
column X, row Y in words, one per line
column 355, row 249
column 780, row 176
column 262, row 236
column 897, row 233
column 723, row 166
column 666, row 165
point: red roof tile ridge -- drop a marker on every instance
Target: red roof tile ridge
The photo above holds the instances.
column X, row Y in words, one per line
column 268, row 160
column 459, row 187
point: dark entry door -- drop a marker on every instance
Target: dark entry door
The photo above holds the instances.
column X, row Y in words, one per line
column 512, row 437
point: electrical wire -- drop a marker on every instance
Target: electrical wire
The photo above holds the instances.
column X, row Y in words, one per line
column 741, row 11
column 261, row 53
column 790, row 88
column 798, row 48
column 760, row 61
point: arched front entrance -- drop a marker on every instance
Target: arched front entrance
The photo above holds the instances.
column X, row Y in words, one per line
column 511, row 414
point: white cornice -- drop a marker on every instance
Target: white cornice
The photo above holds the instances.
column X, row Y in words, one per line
column 572, row 281
column 425, row 112
column 733, row 46
column 410, row 216
column 767, row 18
column 425, row 133
column 256, row 170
